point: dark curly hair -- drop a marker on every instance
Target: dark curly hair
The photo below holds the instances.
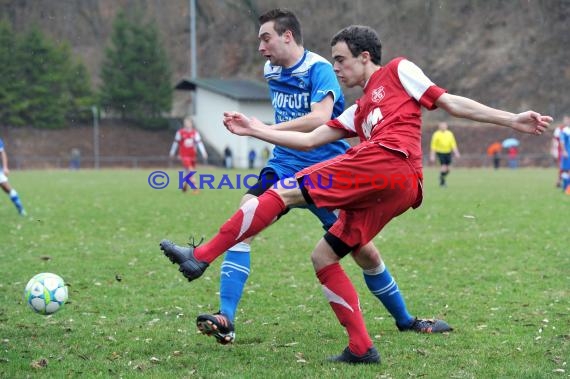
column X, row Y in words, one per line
column 360, row 38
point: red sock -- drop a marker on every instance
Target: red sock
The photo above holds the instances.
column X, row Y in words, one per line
column 343, row 299
column 252, row 217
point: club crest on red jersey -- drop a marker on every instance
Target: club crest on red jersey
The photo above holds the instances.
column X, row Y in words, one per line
column 378, row 94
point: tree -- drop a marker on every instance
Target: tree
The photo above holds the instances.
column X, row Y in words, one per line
column 40, row 83
column 81, row 97
column 10, row 79
column 41, row 66
column 135, row 72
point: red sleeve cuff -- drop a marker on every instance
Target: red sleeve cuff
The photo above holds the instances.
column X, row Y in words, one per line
column 430, row 96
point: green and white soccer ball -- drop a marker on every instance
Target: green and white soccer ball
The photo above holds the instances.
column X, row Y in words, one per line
column 46, row 293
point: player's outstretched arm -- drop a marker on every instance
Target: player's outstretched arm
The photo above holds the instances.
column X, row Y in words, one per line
column 320, row 113
column 239, row 124
column 526, row 122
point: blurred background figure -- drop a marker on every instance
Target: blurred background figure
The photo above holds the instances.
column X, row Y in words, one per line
column 265, row 154
column 556, row 147
column 443, row 144
column 6, row 187
column 251, row 158
column 228, row 158
column 513, row 155
column 512, row 146
column 564, row 140
column 186, row 140
column 75, row 159
column 494, row 152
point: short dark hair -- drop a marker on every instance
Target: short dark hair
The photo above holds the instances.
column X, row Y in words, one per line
column 360, row 38
column 283, row 20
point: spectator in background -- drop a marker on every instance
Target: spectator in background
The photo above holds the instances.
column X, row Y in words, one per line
column 265, row 153
column 494, row 152
column 443, row 144
column 251, row 158
column 513, row 156
column 75, row 159
column 556, row 148
column 228, row 158
column 186, row 140
column 6, row 187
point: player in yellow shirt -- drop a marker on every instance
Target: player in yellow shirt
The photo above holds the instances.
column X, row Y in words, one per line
column 442, row 144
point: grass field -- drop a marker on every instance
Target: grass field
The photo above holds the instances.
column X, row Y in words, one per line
column 490, row 254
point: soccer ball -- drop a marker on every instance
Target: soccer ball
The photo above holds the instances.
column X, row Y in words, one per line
column 45, row 293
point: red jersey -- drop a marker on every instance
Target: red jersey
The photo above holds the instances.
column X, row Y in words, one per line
column 187, row 140
column 389, row 111
column 556, row 138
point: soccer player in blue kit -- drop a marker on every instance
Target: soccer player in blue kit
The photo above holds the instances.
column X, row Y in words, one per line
column 5, row 185
column 564, row 140
column 305, row 94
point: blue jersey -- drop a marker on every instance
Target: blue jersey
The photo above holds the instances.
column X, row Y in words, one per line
column 565, row 139
column 293, row 90
column 564, row 136
column 1, row 150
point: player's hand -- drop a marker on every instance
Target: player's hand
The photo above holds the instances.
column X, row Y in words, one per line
column 6, row 171
column 531, row 122
column 237, row 123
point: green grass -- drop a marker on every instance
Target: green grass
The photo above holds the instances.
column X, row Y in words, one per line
column 490, row 254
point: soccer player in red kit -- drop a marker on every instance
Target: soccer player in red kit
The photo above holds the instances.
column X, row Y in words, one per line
column 186, row 140
column 372, row 183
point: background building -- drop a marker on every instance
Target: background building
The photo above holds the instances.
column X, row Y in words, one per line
column 211, row 97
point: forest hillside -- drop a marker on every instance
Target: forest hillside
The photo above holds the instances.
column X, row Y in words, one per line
column 512, row 54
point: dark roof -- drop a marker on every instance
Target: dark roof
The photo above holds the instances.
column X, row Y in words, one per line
column 238, row 89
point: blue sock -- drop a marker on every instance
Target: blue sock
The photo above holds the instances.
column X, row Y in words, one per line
column 565, row 180
column 384, row 287
column 233, row 275
column 16, row 200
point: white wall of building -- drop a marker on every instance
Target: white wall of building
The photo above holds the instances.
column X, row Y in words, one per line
column 210, row 107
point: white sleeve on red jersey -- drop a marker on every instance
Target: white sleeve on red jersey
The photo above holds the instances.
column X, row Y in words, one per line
column 345, row 121
column 413, row 79
column 174, row 147
column 200, row 144
column 557, row 132
column 418, row 85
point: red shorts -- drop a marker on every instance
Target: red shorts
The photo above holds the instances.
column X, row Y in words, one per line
column 188, row 162
column 369, row 184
